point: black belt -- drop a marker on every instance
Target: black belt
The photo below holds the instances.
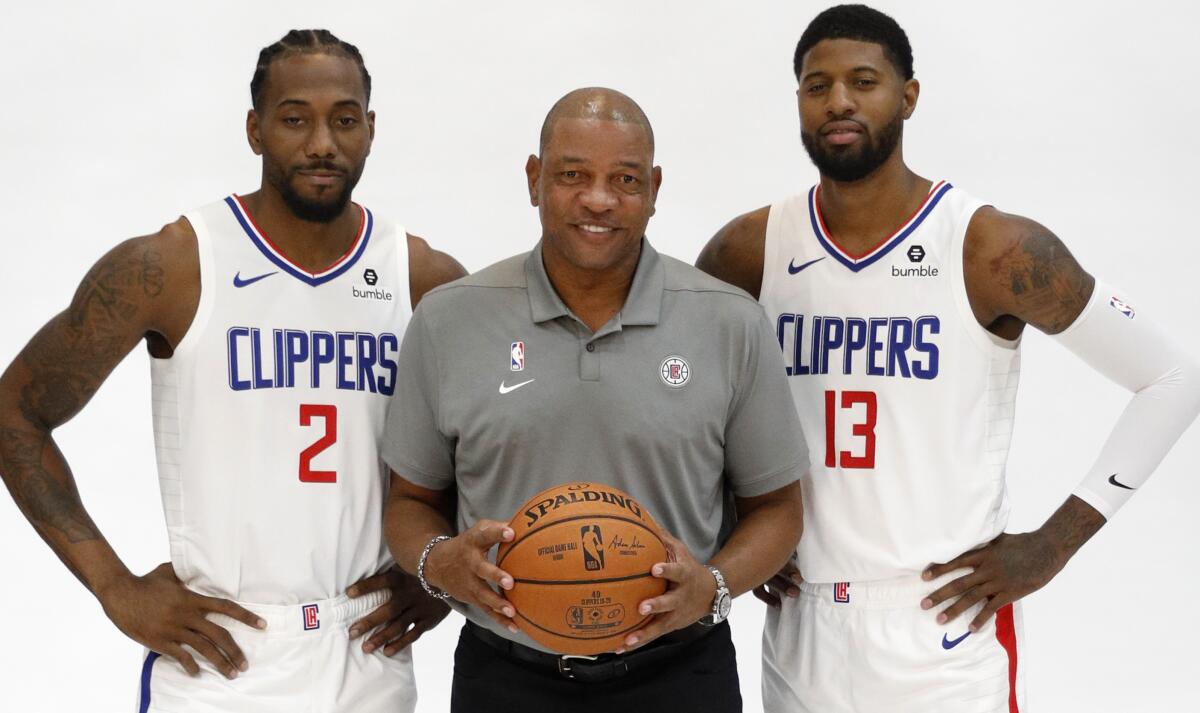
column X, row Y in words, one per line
column 593, row 669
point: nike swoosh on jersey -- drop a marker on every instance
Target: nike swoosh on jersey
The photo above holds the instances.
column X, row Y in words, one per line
column 947, row 644
column 1113, row 479
column 793, row 269
column 239, row 282
column 506, row 389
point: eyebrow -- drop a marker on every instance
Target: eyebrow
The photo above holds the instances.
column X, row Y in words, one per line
column 577, row 159
column 860, row 68
column 301, row 102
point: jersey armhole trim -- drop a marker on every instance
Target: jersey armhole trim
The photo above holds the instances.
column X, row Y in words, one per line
column 403, row 268
column 204, row 308
column 988, row 342
column 770, row 249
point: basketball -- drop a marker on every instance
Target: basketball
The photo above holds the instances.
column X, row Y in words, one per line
column 580, row 562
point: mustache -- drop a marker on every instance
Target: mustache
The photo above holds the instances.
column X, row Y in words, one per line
column 319, row 166
column 824, row 127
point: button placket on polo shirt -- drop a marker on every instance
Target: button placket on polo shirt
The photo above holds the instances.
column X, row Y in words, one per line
column 589, row 358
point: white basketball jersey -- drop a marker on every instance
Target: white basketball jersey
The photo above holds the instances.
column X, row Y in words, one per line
column 906, row 402
column 269, row 415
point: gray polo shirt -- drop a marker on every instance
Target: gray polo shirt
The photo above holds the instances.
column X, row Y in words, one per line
column 503, row 392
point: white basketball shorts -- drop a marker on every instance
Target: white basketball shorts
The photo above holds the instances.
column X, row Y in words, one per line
column 868, row 647
column 303, row 662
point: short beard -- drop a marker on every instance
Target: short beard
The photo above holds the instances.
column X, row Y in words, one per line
column 847, row 166
column 306, row 209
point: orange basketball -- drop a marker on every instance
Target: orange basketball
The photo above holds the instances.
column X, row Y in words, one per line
column 580, row 563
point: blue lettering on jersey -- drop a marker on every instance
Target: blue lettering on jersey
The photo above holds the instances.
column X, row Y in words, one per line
column 876, row 346
column 350, row 361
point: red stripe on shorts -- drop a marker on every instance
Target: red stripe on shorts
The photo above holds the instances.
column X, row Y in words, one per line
column 1006, row 634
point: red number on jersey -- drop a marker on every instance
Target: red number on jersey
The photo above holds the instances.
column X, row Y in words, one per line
column 329, row 414
column 865, row 430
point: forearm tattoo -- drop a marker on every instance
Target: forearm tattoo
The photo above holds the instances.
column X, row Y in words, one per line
column 64, row 365
column 50, row 503
column 1074, row 523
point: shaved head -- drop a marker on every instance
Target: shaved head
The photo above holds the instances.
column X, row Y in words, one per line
column 597, row 103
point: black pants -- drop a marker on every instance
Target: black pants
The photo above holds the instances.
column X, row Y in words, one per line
column 701, row 677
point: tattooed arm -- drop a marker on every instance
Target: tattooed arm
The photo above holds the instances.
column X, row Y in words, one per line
column 1018, row 272
column 116, row 305
column 145, row 288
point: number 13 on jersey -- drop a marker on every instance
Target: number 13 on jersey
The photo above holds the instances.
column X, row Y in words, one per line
column 860, row 441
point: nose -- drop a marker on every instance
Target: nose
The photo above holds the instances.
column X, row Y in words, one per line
column 599, row 197
column 321, row 143
column 840, row 102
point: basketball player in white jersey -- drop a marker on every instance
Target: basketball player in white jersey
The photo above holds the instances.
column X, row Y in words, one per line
column 273, row 321
column 899, row 302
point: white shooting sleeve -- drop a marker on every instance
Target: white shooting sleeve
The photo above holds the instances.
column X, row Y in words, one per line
column 1122, row 344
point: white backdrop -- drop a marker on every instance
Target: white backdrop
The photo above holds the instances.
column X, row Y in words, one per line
column 118, row 116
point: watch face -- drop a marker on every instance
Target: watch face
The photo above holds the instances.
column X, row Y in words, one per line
column 724, row 606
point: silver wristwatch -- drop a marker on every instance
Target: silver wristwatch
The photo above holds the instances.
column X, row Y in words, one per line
column 721, row 602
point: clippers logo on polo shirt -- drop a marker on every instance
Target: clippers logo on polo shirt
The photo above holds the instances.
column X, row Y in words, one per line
column 311, row 618
column 674, row 371
column 517, row 356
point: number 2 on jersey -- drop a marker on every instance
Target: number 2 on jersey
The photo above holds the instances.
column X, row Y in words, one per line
column 865, row 430
column 328, row 413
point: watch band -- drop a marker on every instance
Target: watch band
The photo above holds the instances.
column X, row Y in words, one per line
column 716, row 573
column 715, row 616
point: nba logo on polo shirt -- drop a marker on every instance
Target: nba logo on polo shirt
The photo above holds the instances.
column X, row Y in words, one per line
column 517, row 356
column 311, row 621
column 841, row 592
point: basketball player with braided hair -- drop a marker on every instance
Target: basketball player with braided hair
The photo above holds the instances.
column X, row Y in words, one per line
column 273, row 321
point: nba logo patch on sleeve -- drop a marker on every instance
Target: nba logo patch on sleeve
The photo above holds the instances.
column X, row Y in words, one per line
column 311, row 620
column 1121, row 307
column 517, row 356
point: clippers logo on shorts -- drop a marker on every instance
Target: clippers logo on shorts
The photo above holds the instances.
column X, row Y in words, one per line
column 311, row 620
column 593, row 547
column 674, row 371
column 1121, row 307
column 841, row 592
column 517, row 356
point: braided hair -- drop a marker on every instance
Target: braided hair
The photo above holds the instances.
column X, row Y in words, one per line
column 299, row 42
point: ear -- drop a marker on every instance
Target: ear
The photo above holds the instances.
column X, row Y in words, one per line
column 253, row 132
column 533, row 172
column 371, row 124
column 655, row 184
column 912, row 89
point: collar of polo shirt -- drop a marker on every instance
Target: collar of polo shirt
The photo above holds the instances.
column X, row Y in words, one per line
column 642, row 306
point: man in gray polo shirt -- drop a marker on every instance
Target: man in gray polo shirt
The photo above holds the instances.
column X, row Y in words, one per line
column 594, row 358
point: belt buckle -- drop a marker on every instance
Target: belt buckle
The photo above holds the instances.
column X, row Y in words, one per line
column 564, row 663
